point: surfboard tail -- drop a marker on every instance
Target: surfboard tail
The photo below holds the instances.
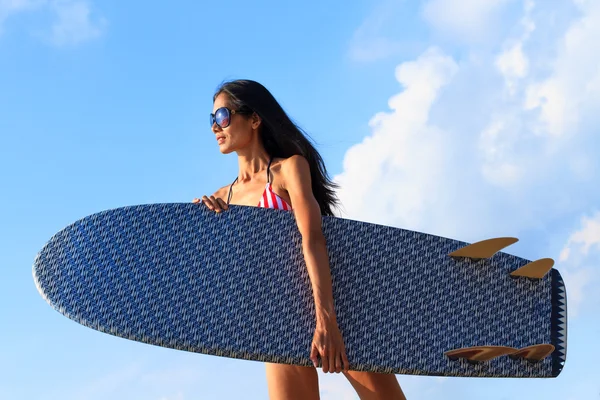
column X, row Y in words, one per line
column 558, row 322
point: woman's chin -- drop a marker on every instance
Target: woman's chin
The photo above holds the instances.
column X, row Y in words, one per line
column 225, row 150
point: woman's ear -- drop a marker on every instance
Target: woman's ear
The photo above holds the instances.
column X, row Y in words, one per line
column 256, row 121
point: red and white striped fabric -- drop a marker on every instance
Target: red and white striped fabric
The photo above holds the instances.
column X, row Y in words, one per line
column 270, row 199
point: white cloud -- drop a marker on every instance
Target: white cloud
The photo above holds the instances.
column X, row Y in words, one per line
column 541, row 115
column 405, row 155
column 467, row 19
column 577, row 283
column 73, row 23
column 468, row 150
column 497, row 145
column 512, row 63
column 11, row 7
column 588, row 237
column 368, row 42
column 579, row 259
column 368, row 49
column 574, row 85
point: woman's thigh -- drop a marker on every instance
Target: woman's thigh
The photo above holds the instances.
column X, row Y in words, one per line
column 372, row 386
column 292, row 382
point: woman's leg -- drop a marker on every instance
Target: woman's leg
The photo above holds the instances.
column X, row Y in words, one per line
column 292, row 382
column 373, row 386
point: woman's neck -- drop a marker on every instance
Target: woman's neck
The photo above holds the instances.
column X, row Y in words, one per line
column 251, row 165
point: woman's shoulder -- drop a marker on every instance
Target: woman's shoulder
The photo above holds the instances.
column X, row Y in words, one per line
column 293, row 169
column 222, row 192
column 296, row 164
column 291, row 165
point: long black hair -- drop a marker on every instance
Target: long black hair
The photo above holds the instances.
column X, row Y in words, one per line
column 280, row 136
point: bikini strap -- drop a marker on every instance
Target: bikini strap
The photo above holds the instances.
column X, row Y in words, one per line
column 269, row 166
column 229, row 196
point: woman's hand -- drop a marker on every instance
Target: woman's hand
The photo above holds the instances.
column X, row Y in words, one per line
column 328, row 344
column 216, row 204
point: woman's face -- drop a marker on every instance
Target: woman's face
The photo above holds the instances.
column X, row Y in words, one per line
column 237, row 134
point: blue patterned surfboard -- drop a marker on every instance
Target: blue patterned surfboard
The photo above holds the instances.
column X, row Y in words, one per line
column 235, row 284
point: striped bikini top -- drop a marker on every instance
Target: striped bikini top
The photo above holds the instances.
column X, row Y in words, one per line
column 269, row 198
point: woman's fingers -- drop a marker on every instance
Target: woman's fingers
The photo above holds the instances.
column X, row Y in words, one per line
column 213, row 203
column 222, row 203
column 314, row 354
column 325, row 361
column 333, row 360
column 331, row 350
column 338, row 363
column 206, row 201
column 345, row 361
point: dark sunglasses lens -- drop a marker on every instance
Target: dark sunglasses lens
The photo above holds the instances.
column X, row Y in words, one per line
column 222, row 117
column 212, row 120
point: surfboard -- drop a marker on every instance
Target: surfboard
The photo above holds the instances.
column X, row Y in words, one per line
column 235, row 284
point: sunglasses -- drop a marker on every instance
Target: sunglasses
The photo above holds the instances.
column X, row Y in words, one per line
column 222, row 117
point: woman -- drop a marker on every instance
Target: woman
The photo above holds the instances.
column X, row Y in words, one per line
column 279, row 168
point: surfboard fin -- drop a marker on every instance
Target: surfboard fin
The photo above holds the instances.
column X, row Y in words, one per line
column 485, row 248
column 533, row 354
column 479, row 354
column 535, row 269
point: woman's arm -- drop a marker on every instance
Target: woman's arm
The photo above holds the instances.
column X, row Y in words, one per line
column 308, row 217
column 297, row 181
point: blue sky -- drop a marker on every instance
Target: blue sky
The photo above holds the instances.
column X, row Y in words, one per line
column 463, row 118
